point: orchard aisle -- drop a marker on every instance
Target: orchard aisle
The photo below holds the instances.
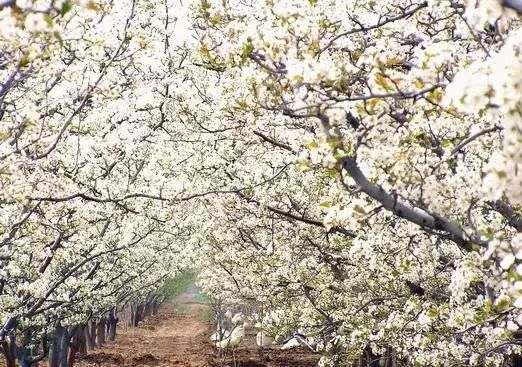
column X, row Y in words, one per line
column 178, row 336
column 167, row 339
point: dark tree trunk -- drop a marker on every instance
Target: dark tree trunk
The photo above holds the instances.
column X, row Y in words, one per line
column 65, row 344
column 8, row 355
column 25, row 363
column 155, row 307
column 56, row 344
column 91, row 337
column 112, row 322
column 138, row 315
column 82, row 340
column 368, row 359
column 58, row 355
column 132, row 314
column 73, row 347
column 45, row 346
column 389, row 359
column 27, row 354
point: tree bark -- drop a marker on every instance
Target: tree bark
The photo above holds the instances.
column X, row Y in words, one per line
column 368, row 359
column 112, row 322
column 56, row 343
column 147, row 310
column 138, row 315
column 82, row 340
column 132, row 314
column 100, row 332
column 91, row 337
column 8, row 356
column 413, row 214
column 65, row 343
column 389, row 358
column 73, row 347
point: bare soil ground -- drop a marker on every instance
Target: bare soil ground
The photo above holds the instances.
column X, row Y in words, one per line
column 182, row 340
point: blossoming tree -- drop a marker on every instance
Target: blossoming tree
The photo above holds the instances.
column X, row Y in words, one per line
column 347, row 168
column 390, row 220
column 86, row 227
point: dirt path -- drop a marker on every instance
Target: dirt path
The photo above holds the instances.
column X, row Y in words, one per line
column 181, row 339
column 166, row 339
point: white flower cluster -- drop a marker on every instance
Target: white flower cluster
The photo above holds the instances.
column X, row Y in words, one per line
column 496, row 83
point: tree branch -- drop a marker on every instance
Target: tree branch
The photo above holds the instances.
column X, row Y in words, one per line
column 513, row 4
column 413, row 214
column 6, row 3
column 514, row 219
column 301, row 218
column 273, row 142
column 98, row 200
column 473, row 137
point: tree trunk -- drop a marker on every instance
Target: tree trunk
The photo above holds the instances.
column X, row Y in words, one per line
column 91, row 337
column 45, row 345
column 65, row 343
column 112, row 322
column 56, row 344
column 82, row 340
column 100, row 332
column 74, row 347
column 138, row 315
column 389, row 357
column 368, row 359
column 8, row 356
column 25, row 353
column 146, row 310
column 132, row 314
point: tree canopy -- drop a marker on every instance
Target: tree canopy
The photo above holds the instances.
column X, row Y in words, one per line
column 352, row 168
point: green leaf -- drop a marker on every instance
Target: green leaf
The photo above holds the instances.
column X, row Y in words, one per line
column 446, row 143
column 216, row 20
column 246, row 51
column 433, row 312
column 66, row 7
column 58, row 37
column 205, row 5
column 488, row 233
column 331, row 172
column 48, row 20
column 24, row 61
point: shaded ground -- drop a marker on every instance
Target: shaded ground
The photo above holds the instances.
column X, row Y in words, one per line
column 182, row 340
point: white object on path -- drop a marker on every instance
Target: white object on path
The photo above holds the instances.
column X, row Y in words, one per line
column 263, row 340
column 293, row 342
column 238, row 317
column 217, row 336
column 233, row 341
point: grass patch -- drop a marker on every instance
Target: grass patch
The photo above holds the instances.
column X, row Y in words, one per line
column 207, row 315
column 200, row 297
column 173, row 287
